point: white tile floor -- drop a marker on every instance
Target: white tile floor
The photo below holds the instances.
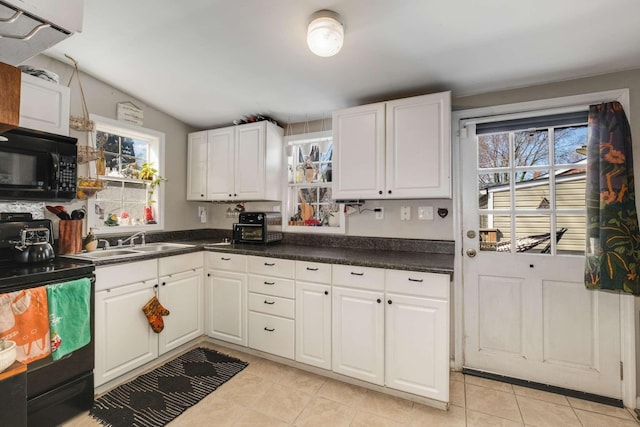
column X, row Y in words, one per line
column 270, row 394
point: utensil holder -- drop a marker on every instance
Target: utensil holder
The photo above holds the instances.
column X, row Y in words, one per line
column 70, row 241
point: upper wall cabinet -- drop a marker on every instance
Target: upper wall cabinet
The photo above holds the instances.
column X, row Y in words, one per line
column 393, row 150
column 38, row 25
column 242, row 163
column 10, row 99
column 44, row 105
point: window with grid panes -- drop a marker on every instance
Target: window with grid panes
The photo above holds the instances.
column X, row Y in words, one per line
column 126, row 202
column 309, row 207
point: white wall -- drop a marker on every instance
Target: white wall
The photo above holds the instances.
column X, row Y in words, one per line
column 101, row 100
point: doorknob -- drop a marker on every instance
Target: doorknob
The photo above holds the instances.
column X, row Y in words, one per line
column 471, row 252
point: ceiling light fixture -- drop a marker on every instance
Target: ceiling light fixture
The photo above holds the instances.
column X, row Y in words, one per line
column 325, row 33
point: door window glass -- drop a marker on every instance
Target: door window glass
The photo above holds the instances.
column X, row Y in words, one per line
column 531, row 186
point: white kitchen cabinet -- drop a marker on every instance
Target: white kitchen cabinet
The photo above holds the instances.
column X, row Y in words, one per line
column 358, row 334
column 181, row 291
column 226, row 297
column 44, row 105
column 393, row 150
column 197, row 166
column 272, row 305
column 313, row 314
column 123, row 338
column 417, row 333
column 243, row 163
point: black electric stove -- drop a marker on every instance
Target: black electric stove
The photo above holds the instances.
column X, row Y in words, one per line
column 56, row 390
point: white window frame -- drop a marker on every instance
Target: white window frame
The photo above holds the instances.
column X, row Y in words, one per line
column 289, row 200
column 156, row 156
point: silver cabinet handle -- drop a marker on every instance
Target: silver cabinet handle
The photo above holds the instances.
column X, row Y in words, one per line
column 269, row 302
column 225, row 259
column 357, row 274
column 415, row 280
column 269, row 283
column 269, row 329
column 312, row 269
column 269, row 264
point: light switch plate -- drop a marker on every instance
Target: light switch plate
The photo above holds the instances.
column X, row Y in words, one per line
column 425, row 213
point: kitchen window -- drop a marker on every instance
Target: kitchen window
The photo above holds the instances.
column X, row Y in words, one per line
column 309, row 207
column 126, row 203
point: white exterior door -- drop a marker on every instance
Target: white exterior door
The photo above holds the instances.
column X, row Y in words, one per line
column 527, row 313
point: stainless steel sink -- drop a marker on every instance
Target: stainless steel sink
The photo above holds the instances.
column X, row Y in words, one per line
column 110, row 253
column 218, row 244
column 159, row 247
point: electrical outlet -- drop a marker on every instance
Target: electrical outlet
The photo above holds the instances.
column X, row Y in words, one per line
column 425, row 213
column 405, row 213
column 379, row 213
column 200, row 210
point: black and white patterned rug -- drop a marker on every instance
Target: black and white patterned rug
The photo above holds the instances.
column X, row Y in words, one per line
column 157, row 397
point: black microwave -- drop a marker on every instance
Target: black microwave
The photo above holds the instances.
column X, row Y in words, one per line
column 258, row 227
column 37, row 165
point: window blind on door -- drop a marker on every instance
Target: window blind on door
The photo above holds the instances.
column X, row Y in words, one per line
column 538, row 122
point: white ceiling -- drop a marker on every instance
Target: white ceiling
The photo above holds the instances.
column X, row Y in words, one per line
column 209, row 62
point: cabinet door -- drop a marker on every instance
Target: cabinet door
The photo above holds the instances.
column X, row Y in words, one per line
column 197, row 166
column 249, row 161
column 123, row 338
column 44, row 105
column 227, row 306
column 220, row 147
column 181, row 294
column 358, row 145
column 313, row 324
column 358, row 334
column 417, row 346
column 418, row 147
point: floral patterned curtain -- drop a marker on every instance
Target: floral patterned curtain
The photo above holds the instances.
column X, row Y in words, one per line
column 613, row 237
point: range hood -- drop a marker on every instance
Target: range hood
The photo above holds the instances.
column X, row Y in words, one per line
column 28, row 27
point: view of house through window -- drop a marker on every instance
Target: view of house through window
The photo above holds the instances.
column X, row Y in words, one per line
column 531, row 188
column 127, row 154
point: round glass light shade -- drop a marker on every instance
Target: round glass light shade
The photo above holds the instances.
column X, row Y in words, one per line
column 325, row 35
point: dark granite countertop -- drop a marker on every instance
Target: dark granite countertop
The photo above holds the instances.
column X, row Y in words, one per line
column 390, row 259
column 397, row 260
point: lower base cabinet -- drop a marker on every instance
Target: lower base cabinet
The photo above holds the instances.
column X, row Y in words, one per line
column 313, row 324
column 271, row 334
column 414, row 360
column 358, row 334
column 226, row 302
column 124, row 339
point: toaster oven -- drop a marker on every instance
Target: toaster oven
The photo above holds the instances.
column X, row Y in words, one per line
column 258, row 227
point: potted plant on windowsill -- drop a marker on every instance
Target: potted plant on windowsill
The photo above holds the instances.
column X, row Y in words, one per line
column 149, row 173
